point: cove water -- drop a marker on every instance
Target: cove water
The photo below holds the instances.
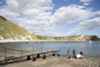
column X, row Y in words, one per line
column 92, row 49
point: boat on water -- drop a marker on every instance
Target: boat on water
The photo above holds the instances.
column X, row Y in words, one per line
column 65, row 41
column 27, row 42
column 39, row 42
column 90, row 41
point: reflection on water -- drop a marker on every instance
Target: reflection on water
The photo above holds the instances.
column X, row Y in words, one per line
column 90, row 44
column 88, row 48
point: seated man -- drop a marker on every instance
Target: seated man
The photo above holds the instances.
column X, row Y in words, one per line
column 81, row 54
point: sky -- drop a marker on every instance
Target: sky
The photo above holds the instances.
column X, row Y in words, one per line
column 54, row 17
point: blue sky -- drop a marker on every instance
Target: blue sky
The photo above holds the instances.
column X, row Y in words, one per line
column 54, row 17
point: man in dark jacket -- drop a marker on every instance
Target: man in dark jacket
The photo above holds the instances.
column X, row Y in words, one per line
column 74, row 53
column 81, row 53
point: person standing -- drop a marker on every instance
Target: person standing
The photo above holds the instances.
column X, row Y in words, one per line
column 74, row 53
column 68, row 54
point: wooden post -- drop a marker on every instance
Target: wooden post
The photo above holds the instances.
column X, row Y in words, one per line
column 5, row 54
column 41, row 49
column 21, row 52
column 33, row 51
column 47, row 48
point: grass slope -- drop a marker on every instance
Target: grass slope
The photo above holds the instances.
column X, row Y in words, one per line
column 12, row 31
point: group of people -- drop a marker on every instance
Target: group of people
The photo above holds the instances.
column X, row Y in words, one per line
column 74, row 53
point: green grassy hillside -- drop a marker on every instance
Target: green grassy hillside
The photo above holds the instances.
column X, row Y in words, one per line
column 12, row 31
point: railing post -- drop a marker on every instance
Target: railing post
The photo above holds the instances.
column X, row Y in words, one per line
column 21, row 53
column 47, row 48
column 33, row 51
column 41, row 49
column 5, row 54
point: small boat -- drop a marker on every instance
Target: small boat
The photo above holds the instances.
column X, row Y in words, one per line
column 39, row 42
column 27, row 42
column 90, row 41
column 65, row 41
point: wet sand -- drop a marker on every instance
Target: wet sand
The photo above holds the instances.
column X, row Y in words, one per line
column 54, row 61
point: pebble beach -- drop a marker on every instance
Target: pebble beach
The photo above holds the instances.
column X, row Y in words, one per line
column 54, row 61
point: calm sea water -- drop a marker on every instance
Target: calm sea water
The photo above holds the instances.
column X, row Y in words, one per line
column 92, row 49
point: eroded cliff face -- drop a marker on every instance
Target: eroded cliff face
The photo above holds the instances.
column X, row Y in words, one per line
column 87, row 37
column 78, row 38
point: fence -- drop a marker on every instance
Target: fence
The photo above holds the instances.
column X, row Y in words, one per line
column 7, row 54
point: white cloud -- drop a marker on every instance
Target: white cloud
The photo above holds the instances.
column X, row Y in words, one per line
column 86, row 2
column 70, row 14
column 86, row 25
column 98, row 34
column 64, row 0
column 53, row 34
column 20, row 5
column 8, row 13
column 36, row 15
column 73, row 31
column 90, row 24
